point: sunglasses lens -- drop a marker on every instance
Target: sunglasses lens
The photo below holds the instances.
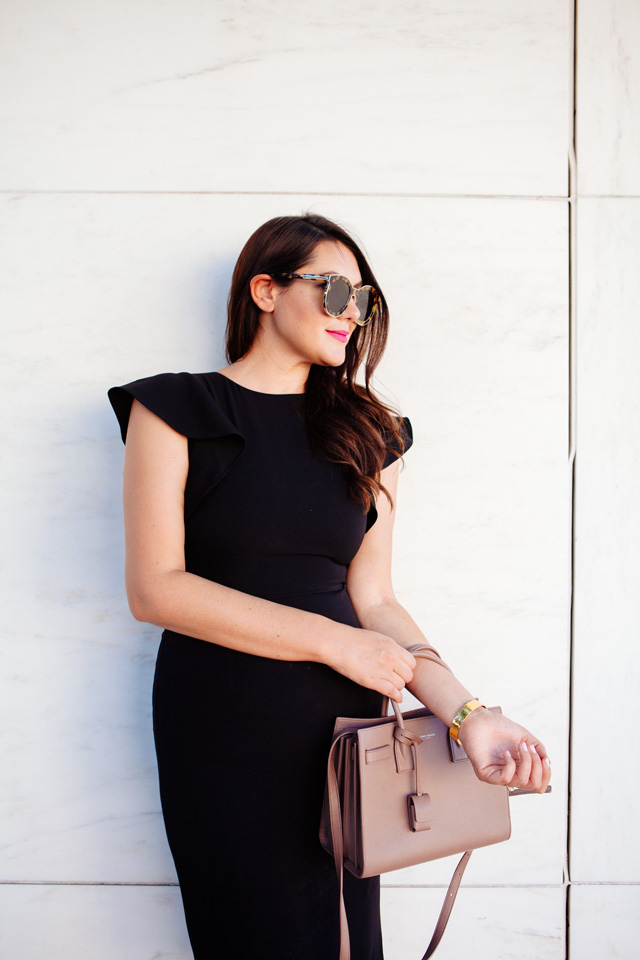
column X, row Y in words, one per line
column 337, row 296
column 365, row 301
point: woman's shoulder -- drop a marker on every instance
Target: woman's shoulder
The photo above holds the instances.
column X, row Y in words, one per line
column 398, row 441
column 189, row 402
column 393, row 429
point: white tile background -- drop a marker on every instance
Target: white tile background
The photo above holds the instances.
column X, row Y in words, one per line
column 604, row 921
column 607, row 128
column 605, row 897
column 142, row 144
column 607, row 538
column 282, row 96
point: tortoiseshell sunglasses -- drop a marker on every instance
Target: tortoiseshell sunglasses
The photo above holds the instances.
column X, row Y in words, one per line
column 338, row 291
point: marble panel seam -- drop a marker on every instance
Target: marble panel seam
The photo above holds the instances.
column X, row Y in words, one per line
column 292, row 193
column 87, row 883
column 475, row 886
column 386, row 886
column 609, row 196
column 605, row 883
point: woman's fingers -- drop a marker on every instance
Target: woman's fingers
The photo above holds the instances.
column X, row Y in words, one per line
column 396, row 667
column 540, row 768
column 394, row 693
column 399, row 681
column 503, row 752
column 408, row 658
column 399, row 660
column 546, row 774
column 521, row 778
column 533, row 770
column 404, row 672
column 375, row 661
column 510, row 767
column 541, row 750
column 513, row 771
column 535, row 776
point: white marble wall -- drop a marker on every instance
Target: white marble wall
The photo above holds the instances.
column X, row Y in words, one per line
column 605, row 847
column 608, row 87
column 142, row 144
column 280, row 96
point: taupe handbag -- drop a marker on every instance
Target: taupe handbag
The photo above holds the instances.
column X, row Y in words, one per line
column 401, row 791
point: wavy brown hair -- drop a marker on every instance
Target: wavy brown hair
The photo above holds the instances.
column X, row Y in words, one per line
column 346, row 422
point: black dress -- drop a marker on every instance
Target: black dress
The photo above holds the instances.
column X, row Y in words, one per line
column 265, row 515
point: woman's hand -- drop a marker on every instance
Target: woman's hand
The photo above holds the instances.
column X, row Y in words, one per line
column 375, row 661
column 503, row 752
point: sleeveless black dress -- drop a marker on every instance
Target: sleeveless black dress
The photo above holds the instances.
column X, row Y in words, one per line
column 241, row 740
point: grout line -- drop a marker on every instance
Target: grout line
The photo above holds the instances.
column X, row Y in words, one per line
column 605, row 883
column 288, row 193
column 386, row 886
column 87, row 883
column 573, row 410
column 608, row 196
column 474, row 886
column 573, row 216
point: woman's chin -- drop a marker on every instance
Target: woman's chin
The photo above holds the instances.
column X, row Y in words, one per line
column 334, row 357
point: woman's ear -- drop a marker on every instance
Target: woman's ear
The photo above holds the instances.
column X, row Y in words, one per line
column 263, row 291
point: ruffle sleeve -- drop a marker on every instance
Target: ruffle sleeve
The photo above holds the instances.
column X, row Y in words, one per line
column 394, row 451
column 186, row 403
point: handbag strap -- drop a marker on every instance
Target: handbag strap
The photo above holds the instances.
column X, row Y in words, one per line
column 421, row 651
column 401, row 734
column 447, row 906
column 425, row 652
column 335, row 818
column 337, row 843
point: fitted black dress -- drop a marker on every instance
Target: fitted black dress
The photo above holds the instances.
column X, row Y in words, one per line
column 242, row 741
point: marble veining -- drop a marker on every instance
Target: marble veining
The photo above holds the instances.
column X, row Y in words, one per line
column 608, row 93
column 604, row 921
column 607, row 512
column 381, row 99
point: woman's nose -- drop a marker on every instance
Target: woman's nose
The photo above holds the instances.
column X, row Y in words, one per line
column 351, row 311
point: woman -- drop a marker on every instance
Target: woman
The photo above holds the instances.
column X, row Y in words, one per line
column 259, row 507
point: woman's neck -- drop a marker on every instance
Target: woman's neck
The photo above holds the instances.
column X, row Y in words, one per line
column 268, row 373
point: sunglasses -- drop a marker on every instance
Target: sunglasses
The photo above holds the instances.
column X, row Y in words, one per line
column 338, row 292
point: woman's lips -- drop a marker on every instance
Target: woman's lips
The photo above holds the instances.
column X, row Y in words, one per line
column 340, row 335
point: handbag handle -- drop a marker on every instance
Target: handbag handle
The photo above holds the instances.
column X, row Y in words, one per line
column 421, row 651
column 404, row 738
column 426, row 652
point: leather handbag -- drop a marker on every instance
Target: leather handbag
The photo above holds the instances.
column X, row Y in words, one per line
column 401, row 791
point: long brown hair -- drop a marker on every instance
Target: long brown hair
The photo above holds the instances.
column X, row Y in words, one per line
column 347, row 423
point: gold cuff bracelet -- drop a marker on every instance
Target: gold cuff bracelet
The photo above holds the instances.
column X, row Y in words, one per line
column 461, row 716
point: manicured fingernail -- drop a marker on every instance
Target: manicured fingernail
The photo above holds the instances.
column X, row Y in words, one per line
column 507, row 753
column 524, row 746
column 547, row 762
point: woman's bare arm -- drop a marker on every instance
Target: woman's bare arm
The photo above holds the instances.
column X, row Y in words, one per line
column 371, row 590
column 160, row 591
column 500, row 750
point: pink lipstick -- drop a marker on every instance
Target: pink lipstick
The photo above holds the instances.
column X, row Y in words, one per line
column 340, row 335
